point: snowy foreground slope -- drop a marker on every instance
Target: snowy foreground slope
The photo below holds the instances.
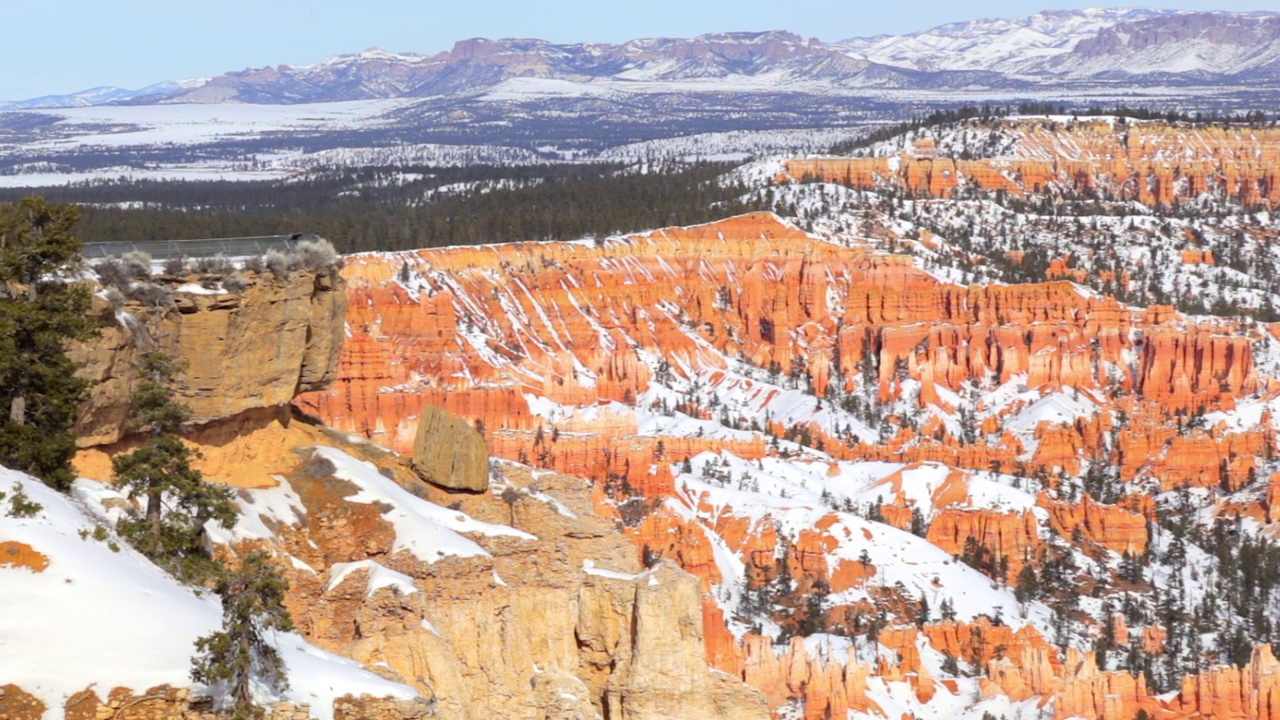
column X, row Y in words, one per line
column 100, row 619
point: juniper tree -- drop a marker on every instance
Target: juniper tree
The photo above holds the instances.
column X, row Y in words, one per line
column 41, row 309
column 178, row 502
column 252, row 605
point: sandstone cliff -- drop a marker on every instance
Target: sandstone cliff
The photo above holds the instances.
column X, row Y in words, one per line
column 243, row 351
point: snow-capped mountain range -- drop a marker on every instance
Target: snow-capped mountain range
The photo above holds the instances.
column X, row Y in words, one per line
column 1073, row 48
column 1134, row 45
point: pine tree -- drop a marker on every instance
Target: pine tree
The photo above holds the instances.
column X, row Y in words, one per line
column 40, row 311
column 178, row 501
column 252, row 604
column 1028, row 587
column 917, row 523
column 948, row 610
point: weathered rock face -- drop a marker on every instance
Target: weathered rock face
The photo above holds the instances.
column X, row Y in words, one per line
column 449, row 452
column 519, row 603
column 1118, row 529
column 1019, row 666
column 559, row 622
column 246, row 450
column 523, row 627
column 1005, row 535
column 662, row 664
column 572, row 325
column 243, row 351
column 1252, row 691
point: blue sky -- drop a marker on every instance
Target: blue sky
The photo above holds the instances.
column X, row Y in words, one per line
column 60, row 46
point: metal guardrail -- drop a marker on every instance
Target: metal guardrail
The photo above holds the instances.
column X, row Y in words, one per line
column 209, row 247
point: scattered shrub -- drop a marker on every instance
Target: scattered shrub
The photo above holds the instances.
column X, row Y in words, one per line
column 236, row 283
column 111, row 273
column 319, row 467
column 281, row 263
column 151, row 294
column 176, row 266
column 216, row 265
column 137, row 265
column 116, row 298
column 318, row 255
column 102, row 535
column 254, row 264
column 21, row 506
column 511, row 495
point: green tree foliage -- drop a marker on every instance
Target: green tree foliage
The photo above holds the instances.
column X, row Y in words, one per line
column 40, row 311
column 252, row 605
column 20, row 505
column 1028, row 587
column 178, row 501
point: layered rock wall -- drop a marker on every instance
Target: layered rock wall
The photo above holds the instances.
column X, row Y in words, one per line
column 241, row 351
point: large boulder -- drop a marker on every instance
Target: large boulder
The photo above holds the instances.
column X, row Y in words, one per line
column 450, row 453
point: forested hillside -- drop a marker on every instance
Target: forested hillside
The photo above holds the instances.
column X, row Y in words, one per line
column 413, row 207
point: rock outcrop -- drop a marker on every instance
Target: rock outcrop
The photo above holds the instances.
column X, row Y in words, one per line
column 20, row 555
column 242, row 351
column 553, row 618
column 777, row 434
column 661, row 668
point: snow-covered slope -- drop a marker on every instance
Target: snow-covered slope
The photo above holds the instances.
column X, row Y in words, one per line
column 1091, row 45
column 101, row 618
column 993, row 43
column 1192, row 45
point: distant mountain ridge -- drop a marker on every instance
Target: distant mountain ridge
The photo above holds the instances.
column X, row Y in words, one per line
column 1099, row 46
column 1094, row 45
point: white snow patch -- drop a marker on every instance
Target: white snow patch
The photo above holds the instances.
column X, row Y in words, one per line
column 379, row 577
column 423, row 528
column 102, row 619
